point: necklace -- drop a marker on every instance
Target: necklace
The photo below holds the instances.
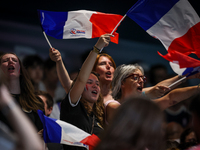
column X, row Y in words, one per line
column 92, row 124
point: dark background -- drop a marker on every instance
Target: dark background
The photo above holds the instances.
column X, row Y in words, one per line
column 20, row 32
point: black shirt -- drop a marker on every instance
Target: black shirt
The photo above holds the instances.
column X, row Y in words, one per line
column 33, row 116
column 78, row 116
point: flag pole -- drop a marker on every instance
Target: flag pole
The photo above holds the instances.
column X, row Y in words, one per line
column 118, row 24
column 115, row 28
column 177, row 82
column 47, row 39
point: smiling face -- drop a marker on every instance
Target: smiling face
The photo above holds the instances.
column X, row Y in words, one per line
column 132, row 86
column 92, row 89
column 105, row 68
column 10, row 66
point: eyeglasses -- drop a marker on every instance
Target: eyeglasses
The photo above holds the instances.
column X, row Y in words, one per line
column 136, row 77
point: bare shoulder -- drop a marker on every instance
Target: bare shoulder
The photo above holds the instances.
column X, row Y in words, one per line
column 113, row 105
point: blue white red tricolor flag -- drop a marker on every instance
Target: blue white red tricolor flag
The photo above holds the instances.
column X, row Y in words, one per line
column 78, row 24
column 181, row 63
column 57, row 131
column 174, row 22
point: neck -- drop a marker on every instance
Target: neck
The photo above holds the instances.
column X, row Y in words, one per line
column 105, row 89
column 106, row 92
column 14, row 86
column 124, row 96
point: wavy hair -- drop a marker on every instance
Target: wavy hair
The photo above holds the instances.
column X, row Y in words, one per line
column 98, row 107
column 27, row 98
column 120, row 74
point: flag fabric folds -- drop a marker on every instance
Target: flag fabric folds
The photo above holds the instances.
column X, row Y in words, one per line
column 78, row 24
column 57, row 131
column 186, row 63
column 174, row 22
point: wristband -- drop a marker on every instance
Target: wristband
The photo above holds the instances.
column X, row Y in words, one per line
column 6, row 109
column 96, row 50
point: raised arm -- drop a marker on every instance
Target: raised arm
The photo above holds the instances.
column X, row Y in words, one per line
column 177, row 95
column 86, row 68
column 163, row 87
column 61, row 70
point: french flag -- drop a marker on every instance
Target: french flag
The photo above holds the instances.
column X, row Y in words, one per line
column 174, row 22
column 78, row 24
column 57, row 131
column 181, row 63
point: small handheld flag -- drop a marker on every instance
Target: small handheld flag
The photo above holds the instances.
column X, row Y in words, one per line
column 57, row 131
column 78, row 24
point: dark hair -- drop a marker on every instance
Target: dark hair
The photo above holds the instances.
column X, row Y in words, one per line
column 27, row 98
column 184, row 134
column 137, row 124
column 194, row 105
column 49, row 64
column 32, row 60
column 152, row 72
column 49, row 98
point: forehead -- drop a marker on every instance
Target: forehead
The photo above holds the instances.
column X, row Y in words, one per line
column 138, row 71
column 92, row 76
column 8, row 56
column 104, row 58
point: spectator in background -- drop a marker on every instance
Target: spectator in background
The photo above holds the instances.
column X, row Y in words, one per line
column 48, row 101
column 173, row 131
column 157, row 73
column 34, row 65
column 51, row 82
column 21, row 88
column 26, row 137
column 194, row 108
column 137, row 125
column 51, row 111
column 188, row 139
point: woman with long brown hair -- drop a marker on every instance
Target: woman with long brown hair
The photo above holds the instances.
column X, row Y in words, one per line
column 21, row 88
column 83, row 104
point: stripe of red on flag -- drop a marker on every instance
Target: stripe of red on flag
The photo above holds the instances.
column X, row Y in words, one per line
column 91, row 141
column 183, row 60
column 188, row 43
column 104, row 23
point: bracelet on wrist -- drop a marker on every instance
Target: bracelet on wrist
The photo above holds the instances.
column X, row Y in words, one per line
column 96, row 50
column 6, row 109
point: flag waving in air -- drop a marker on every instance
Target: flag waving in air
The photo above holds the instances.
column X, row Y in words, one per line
column 181, row 63
column 57, row 131
column 78, row 24
column 174, row 22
